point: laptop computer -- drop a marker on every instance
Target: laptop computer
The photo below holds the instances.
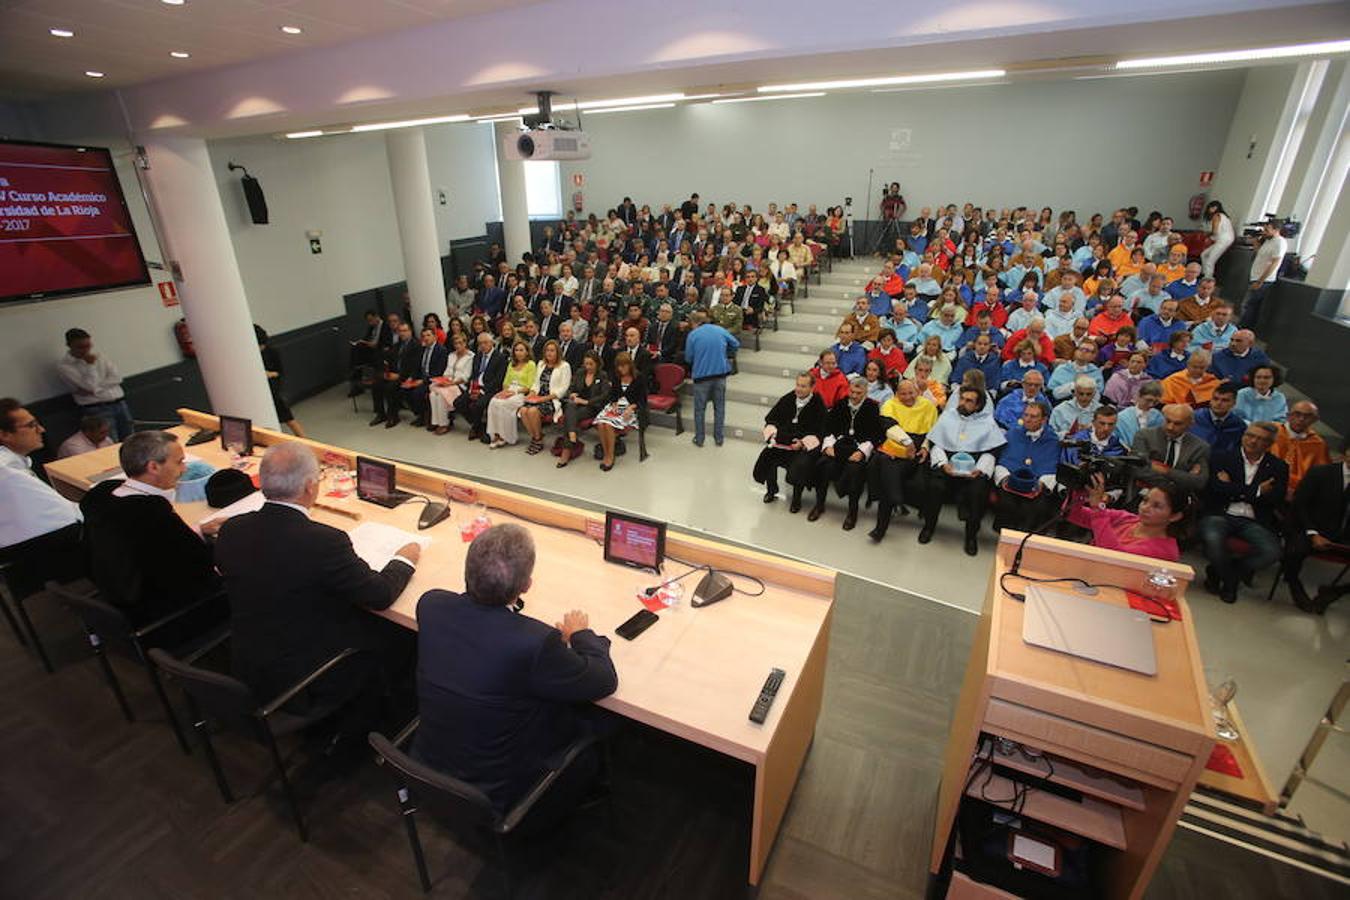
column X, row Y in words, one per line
column 375, row 483
column 1081, row 626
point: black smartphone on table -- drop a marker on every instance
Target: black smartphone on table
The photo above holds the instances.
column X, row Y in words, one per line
column 640, row 622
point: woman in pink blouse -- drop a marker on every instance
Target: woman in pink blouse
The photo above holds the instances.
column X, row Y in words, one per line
column 1150, row 533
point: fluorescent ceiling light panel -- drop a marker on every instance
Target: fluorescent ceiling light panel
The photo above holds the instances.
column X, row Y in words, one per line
column 770, row 97
column 409, row 123
column 60, row 32
column 92, row 74
column 293, row 135
column 973, row 75
column 292, row 29
column 1226, row 56
column 499, row 117
column 180, row 54
column 610, row 109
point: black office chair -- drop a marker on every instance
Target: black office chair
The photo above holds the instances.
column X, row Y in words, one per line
column 25, row 568
column 107, row 626
column 217, row 699
column 5, row 566
column 421, row 788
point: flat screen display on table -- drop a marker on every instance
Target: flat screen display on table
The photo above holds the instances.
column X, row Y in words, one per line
column 636, row 542
column 236, row 435
column 64, row 224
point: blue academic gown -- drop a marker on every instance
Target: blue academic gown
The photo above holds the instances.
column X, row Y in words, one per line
column 1040, row 456
column 1225, row 435
column 990, row 366
column 1231, row 367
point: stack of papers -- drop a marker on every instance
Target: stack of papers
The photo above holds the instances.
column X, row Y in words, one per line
column 377, row 543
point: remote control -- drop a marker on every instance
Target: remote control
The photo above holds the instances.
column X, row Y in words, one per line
column 760, row 711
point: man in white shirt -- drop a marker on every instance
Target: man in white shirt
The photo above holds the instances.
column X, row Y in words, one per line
column 1265, row 269
column 95, row 384
column 40, row 529
column 93, row 434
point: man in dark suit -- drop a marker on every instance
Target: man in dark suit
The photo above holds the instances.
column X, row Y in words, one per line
column 602, row 348
column 643, row 365
column 1246, row 492
column 663, row 335
column 628, row 212
column 852, row 430
column 134, row 532
column 529, row 333
column 485, row 380
column 500, row 693
column 569, row 348
column 751, row 298
column 365, row 350
column 492, row 300
column 549, row 320
column 1173, row 452
column 299, row 595
column 588, row 288
column 1319, row 522
column 400, row 363
column 430, row 361
column 562, row 303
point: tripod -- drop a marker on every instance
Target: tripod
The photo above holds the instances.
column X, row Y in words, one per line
column 889, row 228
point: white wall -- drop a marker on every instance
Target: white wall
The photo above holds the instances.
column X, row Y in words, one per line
column 462, row 159
column 1086, row 145
column 1250, row 135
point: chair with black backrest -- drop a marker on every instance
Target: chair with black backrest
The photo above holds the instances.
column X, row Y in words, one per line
column 215, row 699
column 420, row 788
column 24, row 574
column 109, row 628
column 5, row 566
column 666, row 398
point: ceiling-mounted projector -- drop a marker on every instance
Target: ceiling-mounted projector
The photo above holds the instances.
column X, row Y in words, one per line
column 547, row 143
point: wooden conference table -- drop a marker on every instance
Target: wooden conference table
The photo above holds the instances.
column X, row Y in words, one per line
column 695, row 674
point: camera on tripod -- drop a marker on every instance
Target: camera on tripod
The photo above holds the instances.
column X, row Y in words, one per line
column 1289, row 228
column 1114, row 469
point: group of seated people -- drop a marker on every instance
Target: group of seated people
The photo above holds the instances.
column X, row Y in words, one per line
column 573, row 334
column 499, row 695
column 944, row 383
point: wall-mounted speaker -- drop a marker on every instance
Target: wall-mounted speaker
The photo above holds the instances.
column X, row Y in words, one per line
column 253, row 196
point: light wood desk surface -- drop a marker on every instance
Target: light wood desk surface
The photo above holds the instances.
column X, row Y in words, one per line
column 694, row 674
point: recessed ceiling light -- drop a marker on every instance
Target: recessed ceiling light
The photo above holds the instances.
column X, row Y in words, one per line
column 292, row 29
column 769, row 97
column 295, row 135
column 61, row 32
column 92, row 74
column 610, row 109
column 172, row 2
column 180, row 54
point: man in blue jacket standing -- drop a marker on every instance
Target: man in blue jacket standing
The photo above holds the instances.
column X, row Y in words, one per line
column 705, row 350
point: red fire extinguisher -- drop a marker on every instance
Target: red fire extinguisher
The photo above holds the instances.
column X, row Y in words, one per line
column 184, row 338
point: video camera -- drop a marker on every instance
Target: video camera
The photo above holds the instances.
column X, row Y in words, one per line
column 1115, row 469
column 1289, row 228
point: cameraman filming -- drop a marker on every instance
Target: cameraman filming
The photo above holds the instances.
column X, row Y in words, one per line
column 1265, row 269
column 893, row 204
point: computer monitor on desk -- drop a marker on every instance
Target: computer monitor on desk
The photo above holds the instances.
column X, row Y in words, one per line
column 375, row 482
column 236, row 435
column 630, row 541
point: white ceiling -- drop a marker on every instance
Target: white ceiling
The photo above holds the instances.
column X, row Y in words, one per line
column 130, row 40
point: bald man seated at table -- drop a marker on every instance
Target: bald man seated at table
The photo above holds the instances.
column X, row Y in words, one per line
column 499, row 693
column 299, row 595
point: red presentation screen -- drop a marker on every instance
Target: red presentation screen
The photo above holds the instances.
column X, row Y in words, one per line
column 64, row 225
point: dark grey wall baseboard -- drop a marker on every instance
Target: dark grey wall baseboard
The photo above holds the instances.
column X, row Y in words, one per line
column 1301, row 334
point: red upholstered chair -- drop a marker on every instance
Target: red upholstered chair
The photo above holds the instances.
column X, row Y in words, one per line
column 669, row 379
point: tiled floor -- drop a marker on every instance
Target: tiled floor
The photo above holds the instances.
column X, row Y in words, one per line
column 1287, row 664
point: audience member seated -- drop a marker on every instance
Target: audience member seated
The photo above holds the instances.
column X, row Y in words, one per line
column 1319, row 522
column 905, row 326
column 137, row 520
column 299, row 595
column 1031, row 389
column 623, row 412
column 945, row 325
column 1173, row 359
column 878, row 389
column 1172, row 452
column 930, row 387
column 1127, row 379
column 1110, row 320
column 485, row 380
column 792, row 431
column 1034, row 332
column 866, row 325
column 1143, row 413
column 1217, row 424
column 1066, row 374
column 1100, row 437
column 1235, row 362
column 1067, row 344
column 1259, row 401
column 503, row 409
column 586, row 396
column 1116, row 354
column 432, row 360
column 1298, row 444
column 443, row 392
column 831, row 384
column 1193, row 385
column 1028, row 308
column 643, row 363
column 1025, row 474
column 501, row 694
column 543, row 402
column 400, row 361
column 1151, row 304
column 751, row 297
column 848, row 353
column 1246, row 493
column 960, row 451
column 1076, row 412
column 1152, row 532
column 94, row 434
column 40, row 532
column 984, row 325
column 932, row 353
column 1015, row 370
column 981, row 357
column 1200, row 305
column 852, row 430
column 888, row 353
column 1215, row 332
column 895, row 470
